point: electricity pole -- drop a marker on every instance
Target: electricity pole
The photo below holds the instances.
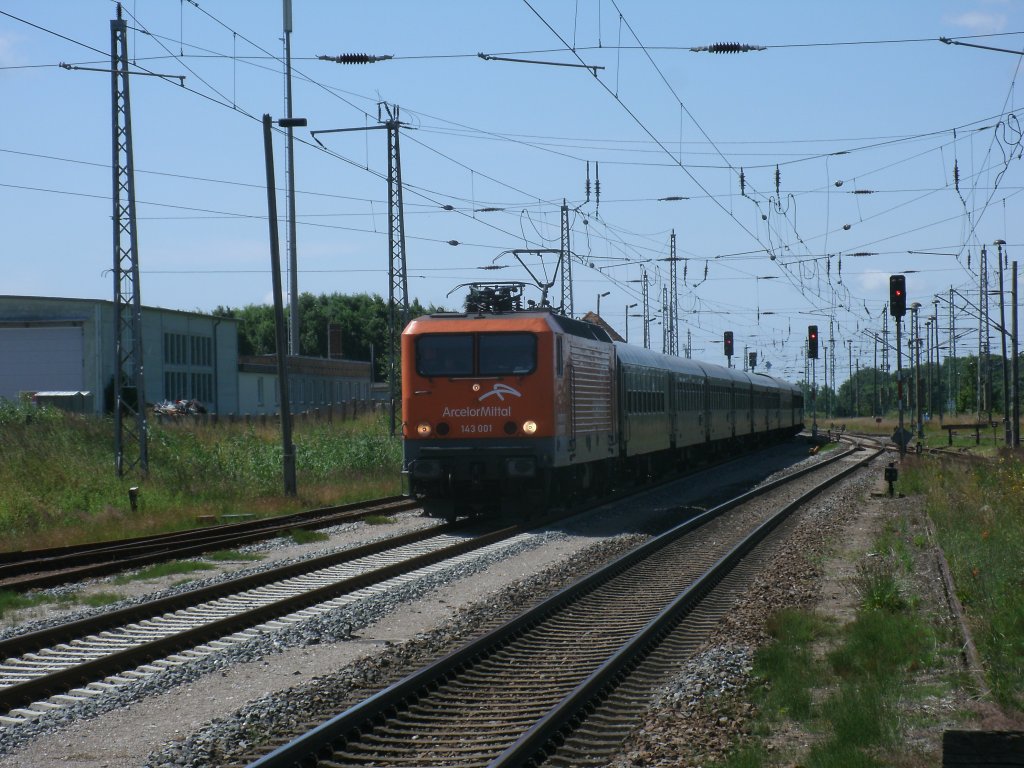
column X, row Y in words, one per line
column 1007, row 434
column 673, row 310
column 129, row 382
column 566, row 271
column 293, row 257
column 398, row 280
column 287, row 447
column 647, row 312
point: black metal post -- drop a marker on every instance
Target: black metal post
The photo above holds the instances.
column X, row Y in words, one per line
column 279, row 329
column 899, row 385
column 1016, row 371
column 1007, row 433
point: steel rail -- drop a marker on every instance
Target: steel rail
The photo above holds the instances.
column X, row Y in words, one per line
column 306, row 516
column 319, row 740
column 112, row 557
column 65, row 679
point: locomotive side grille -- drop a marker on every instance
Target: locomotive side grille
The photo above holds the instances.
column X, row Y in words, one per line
column 591, row 389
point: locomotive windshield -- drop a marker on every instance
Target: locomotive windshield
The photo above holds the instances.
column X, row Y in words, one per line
column 507, row 353
column 445, row 355
column 485, row 354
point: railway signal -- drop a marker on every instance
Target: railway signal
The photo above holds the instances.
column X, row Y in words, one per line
column 812, row 342
column 727, row 343
column 897, row 295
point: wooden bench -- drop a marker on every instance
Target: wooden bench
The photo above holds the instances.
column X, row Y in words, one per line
column 975, row 428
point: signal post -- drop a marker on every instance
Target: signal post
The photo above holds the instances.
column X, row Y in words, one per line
column 898, row 308
column 812, row 355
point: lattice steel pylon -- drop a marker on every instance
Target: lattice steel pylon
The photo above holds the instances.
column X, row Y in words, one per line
column 398, row 280
column 566, row 271
column 666, row 322
column 129, row 383
column 647, row 310
column 984, row 380
column 673, row 310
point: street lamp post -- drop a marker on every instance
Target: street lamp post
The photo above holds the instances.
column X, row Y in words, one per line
column 606, row 293
column 628, row 307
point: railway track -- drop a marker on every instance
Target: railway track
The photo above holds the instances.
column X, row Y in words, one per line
column 34, row 569
column 534, row 689
column 84, row 659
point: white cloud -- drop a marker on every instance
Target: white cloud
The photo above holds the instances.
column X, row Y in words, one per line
column 8, row 58
column 978, row 22
column 874, row 283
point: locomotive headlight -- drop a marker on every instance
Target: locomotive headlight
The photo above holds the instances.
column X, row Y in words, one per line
column 529, row 427
column 423, row 429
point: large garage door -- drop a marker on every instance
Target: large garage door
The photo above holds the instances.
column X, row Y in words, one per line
column 41, row 358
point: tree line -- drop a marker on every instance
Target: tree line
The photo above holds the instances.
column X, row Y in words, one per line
column 951, row 386
column 363, row 319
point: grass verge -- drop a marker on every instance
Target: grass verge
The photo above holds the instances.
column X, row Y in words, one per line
column 978, row 511
column 303, row 536
column 232, row 556
column 845, row 688
column 58, row 486
column 173, row 568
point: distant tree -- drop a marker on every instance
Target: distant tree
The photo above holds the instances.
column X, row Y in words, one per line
column 255, row 328
column 363, row 319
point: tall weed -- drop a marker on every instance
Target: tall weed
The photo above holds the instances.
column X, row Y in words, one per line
column 58, row 484
column 978, row 511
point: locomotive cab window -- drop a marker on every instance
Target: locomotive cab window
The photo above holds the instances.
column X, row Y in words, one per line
column 467, row 354
column 503, row 354
column 448, row 354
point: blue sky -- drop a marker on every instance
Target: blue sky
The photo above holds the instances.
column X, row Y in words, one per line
column 895, row 153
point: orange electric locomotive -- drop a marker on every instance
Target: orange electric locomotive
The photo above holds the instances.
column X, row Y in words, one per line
column 500, row 409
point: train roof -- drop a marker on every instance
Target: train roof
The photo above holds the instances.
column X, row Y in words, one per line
column 455, row 321
column 780, row 383
column 634, row 355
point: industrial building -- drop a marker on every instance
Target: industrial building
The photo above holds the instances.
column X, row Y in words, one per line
column 63, row 351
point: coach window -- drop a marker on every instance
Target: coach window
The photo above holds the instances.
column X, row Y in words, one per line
column 507, row 354
column 449, row 354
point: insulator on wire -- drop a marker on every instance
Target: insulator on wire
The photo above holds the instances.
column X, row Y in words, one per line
column 778, row 181
column 353, row 58
column 956, row 175
column 728, row 48
column 588, row 181
column 743, row 183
